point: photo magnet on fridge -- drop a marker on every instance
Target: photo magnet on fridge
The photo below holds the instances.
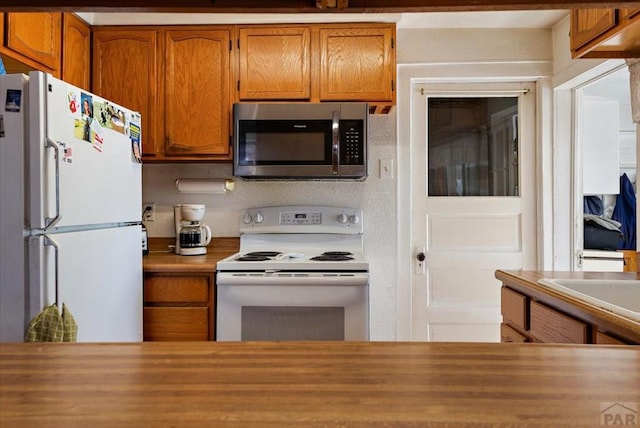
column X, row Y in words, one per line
column 14, row 98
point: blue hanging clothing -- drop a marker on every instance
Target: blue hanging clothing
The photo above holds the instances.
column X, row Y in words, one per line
column 625, row 213
column 593, row 205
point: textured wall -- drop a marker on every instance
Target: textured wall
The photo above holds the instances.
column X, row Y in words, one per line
column 376, row 196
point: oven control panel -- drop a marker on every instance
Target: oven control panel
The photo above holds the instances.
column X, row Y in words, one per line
column 301, row 219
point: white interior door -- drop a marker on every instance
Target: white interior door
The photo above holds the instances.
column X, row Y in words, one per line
column 473, row 207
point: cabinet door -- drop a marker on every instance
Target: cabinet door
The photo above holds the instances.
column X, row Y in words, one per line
column 2, row 15
column 125, row 71
column 196, row 101
column 274, row 63
column 175, row 323
column 36, row 35
column 357, row 63
column 587, row 24
column 629, row 13
column 76, row 45
column 551, row 326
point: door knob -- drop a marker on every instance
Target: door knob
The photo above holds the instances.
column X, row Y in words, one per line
column 421, row 257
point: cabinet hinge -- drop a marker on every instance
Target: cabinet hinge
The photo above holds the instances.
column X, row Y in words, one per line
column 230, row 45
column 392, row 43
column 238, row 44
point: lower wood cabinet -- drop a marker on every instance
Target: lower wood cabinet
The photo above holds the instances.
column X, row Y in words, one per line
column 178, row 306
column 550, row 326
column 533, row 316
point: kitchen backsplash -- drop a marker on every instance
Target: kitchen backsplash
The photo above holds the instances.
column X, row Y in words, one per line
column 376, row 196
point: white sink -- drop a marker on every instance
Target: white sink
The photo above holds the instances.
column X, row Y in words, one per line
column 619, row 296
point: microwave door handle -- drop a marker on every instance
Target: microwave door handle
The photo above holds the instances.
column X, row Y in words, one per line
column 335, row 142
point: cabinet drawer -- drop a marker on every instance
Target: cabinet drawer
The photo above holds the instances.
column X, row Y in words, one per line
column 176, row 289
column 605, row 339
column 507, row 334
column 550, row 326
column 176, row 324
column 514, row 308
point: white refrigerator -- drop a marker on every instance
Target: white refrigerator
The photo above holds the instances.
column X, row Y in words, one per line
column 70, row 209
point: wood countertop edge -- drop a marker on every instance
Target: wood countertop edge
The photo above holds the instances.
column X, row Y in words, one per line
column 169, row 262
column 313, row 384
column 585, row 310
column 160, row 259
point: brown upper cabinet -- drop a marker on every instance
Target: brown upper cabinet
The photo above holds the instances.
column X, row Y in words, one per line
column 197, row 107
column 124, row 71
column 178, row 78
column 605, row 33
column 357, row 63
column 274, row 63
column 318, row 62
column 33, row 40
column 76, row 51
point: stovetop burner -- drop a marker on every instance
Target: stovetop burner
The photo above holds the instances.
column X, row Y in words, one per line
column 326, row 257
column 263, row 253
column 337, row 253
column 248, row 258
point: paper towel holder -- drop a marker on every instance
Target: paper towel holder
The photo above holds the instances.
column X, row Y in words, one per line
column 205, row 185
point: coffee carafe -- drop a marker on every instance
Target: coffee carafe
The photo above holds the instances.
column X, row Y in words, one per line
column 192, row 236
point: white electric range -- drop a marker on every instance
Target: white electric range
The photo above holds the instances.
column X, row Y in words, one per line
column 300, row 274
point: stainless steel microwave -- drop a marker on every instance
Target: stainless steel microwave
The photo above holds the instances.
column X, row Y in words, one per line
column 300, row 141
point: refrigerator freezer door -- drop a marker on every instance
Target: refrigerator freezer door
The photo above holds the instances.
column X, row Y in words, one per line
column 99, row 279
column 80, row 157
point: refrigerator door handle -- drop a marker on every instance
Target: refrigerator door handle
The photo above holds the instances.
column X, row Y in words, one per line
column 50, row 242
column 51, row 221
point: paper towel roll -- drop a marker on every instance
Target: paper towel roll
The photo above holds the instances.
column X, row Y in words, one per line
column 194, row 185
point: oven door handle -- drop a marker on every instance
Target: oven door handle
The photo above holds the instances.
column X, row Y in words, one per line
column 291, row 278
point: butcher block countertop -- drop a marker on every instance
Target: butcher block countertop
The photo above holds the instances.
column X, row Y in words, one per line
column 315, row 384
column 161, row 259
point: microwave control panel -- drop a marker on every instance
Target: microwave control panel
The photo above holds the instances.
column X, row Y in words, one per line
column 351, row 142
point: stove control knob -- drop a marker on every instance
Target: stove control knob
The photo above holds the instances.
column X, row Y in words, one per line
column 246, row 219
column 342, row 218
column 354, row 219
column 259, row 218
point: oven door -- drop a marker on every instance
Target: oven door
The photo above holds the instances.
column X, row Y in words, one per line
column 292, row 306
